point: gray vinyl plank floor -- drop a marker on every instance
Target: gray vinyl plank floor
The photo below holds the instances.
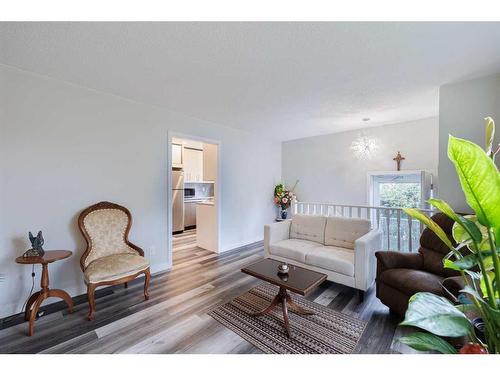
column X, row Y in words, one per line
column 175, row 319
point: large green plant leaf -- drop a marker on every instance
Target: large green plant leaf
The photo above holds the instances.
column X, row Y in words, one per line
column 482, row 283
column 423, row 341
column 471, row 228
column 464, row 263
column 490, row 135
column 488, row 262
column 469, row 261
column 480, row 180
column 447, row 263
column 468, row 226
column 492, row 314
column 436, row 315
column 461, row 235
column 427, row 221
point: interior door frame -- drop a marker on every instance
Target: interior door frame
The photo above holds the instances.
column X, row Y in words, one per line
column 217, row 186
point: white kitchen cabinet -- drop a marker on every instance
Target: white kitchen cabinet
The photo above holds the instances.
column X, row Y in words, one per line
column 209, row 162
column 206, row 226
column 189, row 214
column 176, row 155
column 193, row 164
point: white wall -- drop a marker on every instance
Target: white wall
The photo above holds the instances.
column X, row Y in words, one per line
column 329, row 172
column 64, row 147
column 462, row 109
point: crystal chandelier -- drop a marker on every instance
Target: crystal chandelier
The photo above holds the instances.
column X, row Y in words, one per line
column 364, row 147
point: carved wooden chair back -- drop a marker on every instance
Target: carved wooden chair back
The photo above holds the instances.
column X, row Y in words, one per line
column 105, row 227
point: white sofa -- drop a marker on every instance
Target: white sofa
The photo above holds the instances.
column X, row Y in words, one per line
column 342, row 248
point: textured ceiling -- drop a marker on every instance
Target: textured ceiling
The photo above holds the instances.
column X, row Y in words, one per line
column 287, row 80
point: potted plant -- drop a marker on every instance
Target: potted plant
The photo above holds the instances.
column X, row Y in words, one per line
column 283, row 198
column 476, row 257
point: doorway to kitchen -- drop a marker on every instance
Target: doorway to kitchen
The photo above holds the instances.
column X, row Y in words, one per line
column 193, row 199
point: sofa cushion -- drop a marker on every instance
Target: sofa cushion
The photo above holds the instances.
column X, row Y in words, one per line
column 292, row 249
column 343, row 231
column 308, row 227
column 114, row 267
column 412, row 281
column 433, row 263
column 332, row 258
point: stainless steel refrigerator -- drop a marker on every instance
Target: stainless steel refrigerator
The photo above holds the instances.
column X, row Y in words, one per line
column 177, row 200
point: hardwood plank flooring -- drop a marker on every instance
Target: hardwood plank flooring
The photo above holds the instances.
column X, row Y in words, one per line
column 174, row 320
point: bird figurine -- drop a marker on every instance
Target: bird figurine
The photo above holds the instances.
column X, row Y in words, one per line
column 36, row 246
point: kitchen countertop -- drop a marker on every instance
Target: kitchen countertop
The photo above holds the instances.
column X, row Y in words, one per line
column 206, row 203
column 199, row 199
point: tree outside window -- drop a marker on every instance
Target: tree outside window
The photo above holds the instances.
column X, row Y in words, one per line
column 401, row 194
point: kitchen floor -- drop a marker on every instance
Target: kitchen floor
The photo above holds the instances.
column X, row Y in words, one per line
column 184, row 240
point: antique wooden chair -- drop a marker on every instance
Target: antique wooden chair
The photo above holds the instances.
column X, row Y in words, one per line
column 110, row 258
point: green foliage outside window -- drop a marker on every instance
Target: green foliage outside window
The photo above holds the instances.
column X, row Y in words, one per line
column 405, row 194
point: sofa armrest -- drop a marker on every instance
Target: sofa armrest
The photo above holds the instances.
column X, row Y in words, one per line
column 276, row 232
column 396, row 259
column 364, row 259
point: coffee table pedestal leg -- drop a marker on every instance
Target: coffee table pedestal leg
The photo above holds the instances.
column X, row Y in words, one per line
column 35, row 301
column 284, row 298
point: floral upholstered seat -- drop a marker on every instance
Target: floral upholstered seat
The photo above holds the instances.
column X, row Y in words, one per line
column 113, row 267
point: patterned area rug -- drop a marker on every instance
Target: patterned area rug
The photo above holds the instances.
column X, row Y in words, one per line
column 328, row 331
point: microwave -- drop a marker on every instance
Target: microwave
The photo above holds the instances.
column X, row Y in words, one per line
column 189, row 192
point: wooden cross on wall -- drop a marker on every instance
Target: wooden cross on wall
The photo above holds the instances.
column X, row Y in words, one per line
column 398, row 159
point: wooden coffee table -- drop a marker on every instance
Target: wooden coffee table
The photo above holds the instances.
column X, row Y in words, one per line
column 298, row 280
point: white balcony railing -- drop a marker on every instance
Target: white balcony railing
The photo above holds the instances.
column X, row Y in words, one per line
column 400, row 231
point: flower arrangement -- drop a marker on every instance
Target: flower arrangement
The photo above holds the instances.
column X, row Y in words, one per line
column 476, row 257
column 282, row 196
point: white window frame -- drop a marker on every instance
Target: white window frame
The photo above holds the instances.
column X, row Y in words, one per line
column 425, row 178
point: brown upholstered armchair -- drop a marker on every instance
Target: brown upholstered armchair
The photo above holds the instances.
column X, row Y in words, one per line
column 401, row 275
column 110, row 258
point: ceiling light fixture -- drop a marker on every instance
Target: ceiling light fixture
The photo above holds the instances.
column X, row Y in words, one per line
column 365, row 147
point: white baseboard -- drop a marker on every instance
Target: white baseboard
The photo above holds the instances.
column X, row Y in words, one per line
column 241, row 244
column 8, row 310
column 14, row 308
column 167, row 266
column 160, row 267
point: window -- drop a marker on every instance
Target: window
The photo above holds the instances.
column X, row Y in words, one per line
column 395, row 190
column 400, row 189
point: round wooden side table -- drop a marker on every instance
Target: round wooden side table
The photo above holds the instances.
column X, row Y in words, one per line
column 37, row 298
